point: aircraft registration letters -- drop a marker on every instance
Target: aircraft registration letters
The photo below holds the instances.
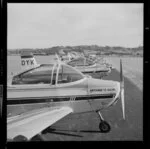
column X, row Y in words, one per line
column 28, row 62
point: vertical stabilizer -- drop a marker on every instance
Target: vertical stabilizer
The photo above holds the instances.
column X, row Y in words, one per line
column 57, row 59
column 28, row 61
column 69, row 56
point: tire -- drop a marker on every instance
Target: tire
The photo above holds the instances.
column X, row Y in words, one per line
column 20, row 138
column 36, row 138
column 104, row 127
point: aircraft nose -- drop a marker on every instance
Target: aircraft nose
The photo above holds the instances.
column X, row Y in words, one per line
column 102, row 83
column 105, row 86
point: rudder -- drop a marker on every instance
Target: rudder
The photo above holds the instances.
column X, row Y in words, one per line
column 28, row 61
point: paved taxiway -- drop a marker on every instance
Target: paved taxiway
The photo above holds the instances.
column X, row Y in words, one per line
column 84, row 127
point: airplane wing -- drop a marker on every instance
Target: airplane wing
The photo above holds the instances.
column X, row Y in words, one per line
column 30, row 124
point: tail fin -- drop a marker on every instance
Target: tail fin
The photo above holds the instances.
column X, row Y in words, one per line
column 57, row 58
column 69, row 56
column 28, row 61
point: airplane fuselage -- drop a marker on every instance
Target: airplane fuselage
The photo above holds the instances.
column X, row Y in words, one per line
column 82, row 96
column 48, row 92
column 94, row 68
column 87, row 66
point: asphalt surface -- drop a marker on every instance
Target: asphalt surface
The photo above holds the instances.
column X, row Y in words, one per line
column 84, row 127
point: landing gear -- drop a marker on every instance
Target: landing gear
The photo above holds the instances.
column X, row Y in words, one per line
column 20, row 138
column 38, row 137
column 103, row 126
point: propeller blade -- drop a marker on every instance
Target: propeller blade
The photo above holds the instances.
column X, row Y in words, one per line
column 123, row 104
column 122, row 90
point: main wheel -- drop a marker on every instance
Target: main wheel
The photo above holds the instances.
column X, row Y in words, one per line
column 104, row 126
column 20, row 138
column 37, row 138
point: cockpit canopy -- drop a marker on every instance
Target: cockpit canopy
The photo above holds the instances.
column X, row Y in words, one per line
column 48, row 74
column 81, row 62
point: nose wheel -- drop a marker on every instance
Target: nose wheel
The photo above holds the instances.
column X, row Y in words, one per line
column 103, row 125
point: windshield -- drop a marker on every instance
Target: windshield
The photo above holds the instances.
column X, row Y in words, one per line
column 39, row 75
column 81, row 62
column 67, row 74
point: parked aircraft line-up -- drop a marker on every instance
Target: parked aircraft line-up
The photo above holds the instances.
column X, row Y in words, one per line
column 41, row 95
column 86, row 65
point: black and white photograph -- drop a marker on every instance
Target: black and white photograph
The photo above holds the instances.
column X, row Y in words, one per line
column 74, row 72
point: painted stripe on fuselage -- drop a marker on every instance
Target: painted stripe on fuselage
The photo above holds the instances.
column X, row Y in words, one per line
column 97, row 71
column 31, row 100
column 26, row 56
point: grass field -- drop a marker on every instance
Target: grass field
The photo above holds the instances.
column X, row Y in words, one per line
column 132, row 68
column 84, row 127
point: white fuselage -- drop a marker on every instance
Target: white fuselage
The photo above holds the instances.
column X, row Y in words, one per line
column 93, row 68
column 71, row 88
column 82, row 96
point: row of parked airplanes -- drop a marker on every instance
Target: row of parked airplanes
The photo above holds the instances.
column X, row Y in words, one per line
column 42, row 94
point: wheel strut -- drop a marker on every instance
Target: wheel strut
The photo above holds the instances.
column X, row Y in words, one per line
column 103, row 126
column 100, row 116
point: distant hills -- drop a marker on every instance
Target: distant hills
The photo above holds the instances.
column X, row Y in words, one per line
column 86, row 49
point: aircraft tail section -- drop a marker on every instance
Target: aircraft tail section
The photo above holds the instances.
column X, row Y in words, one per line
column 28, row 61
column 69, row 56
column 57, row 57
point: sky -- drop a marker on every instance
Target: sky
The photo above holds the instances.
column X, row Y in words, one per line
column 40, row 25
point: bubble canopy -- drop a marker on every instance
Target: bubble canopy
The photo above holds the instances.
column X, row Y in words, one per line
column 48, row 74
column 81, row 62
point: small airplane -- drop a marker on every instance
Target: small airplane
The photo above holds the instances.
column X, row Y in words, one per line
column 105, row 62
column 41, row 95
column 90, row 67
column 86, row 65
column 69, row 56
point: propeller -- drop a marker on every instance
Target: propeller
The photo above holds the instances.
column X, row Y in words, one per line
column 122, row 90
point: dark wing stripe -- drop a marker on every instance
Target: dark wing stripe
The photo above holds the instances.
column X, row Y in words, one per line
column 55, row 99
